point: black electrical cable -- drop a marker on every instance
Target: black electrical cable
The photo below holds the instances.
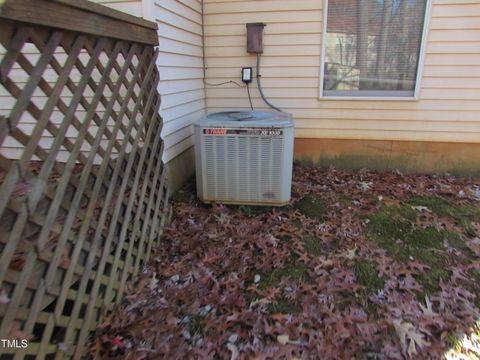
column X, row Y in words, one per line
column 204, row 67
column 223, row 83
column 249, row 97
column 260, row 86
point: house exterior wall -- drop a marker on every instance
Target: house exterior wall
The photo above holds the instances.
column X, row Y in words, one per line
column 180, row 64
column 447, row 111
column 132, row 7
column 448, row 108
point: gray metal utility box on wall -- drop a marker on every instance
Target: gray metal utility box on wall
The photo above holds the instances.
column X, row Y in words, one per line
column 244, row 157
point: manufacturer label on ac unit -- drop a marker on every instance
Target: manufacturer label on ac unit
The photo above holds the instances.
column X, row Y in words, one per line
column 244, row 131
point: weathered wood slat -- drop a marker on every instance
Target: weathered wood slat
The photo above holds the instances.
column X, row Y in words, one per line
column 66, row 17
column 107, row 201
column 159, row 217
column 54, row 291
column 24, row 99
column 15, row 47
column 108, row 242
column 74, row 229
column 159, row 172
column 82, row 131
column 82, row 234
column 64, row 108
column 128, row 269
column 16, row 205
column 34, row 197
column 52, row 100
column 123, row 231
column 79, row 245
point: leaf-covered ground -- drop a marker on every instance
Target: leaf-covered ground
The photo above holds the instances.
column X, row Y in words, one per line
column 359, row 265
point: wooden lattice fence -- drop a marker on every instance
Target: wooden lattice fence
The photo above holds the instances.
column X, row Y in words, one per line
column 84, row 199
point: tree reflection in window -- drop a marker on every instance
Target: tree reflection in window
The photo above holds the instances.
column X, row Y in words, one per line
column 373, row 47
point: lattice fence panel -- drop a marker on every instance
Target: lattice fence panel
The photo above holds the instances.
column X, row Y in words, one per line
column 84, row 199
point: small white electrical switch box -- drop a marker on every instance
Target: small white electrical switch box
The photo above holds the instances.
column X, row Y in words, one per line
column 247, row 74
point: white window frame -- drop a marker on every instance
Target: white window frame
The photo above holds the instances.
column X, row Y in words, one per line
column 421, row 60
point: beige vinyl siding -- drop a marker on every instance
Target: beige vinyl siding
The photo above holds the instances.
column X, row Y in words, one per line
column 132, row 7
column 12, row 148
column 180, row 63
column 448, row 108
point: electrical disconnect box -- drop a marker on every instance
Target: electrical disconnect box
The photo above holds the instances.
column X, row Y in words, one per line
column 255, row 38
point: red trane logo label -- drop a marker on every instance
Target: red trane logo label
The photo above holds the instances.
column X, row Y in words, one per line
column 215, row 131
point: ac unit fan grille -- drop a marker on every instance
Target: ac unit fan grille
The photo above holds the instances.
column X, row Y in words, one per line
column 245, row 168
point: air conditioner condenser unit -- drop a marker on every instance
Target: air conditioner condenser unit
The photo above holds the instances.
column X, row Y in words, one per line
column 244, row 157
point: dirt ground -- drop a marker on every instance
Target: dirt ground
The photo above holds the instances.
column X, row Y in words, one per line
column 359, row 265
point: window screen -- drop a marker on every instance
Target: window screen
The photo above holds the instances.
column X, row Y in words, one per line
column 372, row 47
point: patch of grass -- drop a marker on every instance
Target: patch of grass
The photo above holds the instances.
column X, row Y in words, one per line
column 425, row 239
column 366, row 274
column 312, row 245
column 335, row 244
column 294, row 269
column 468, row 228
column 344, row 200
column 252, row 211
column 346, row 299
column 393, row 229
column 297, row 223
column 387, row 225
column 430, row 280
column 437, row 205
column 194, row 325
column 465, row 215
column 283, row 306
column 407, row 213
column 462, row 214
column 474, row 287
column 426, row 246
column 316, row 247
column 312, row 207
column 456, row 241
